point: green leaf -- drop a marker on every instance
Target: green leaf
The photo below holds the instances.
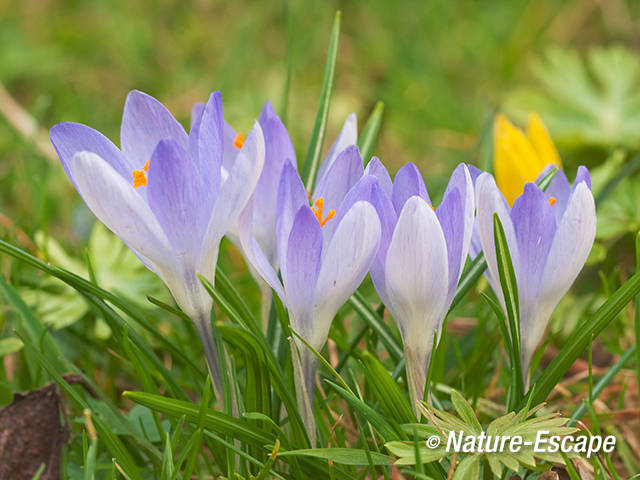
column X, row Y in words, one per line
column 215, row 421
column 465, row 411
column 386, row 390
column 468, row 469
column 593, row 101
column 387, row 428
column 310, row 166
column 510, row 294
column 369, row 135
column 10, row 345
column 344, row 456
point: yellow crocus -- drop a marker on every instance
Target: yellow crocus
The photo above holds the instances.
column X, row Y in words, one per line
column 518, row 158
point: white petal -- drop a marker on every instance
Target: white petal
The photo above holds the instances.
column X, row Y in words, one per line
column 489, row 200
column 234, row 194
column 117, row 204
column 417, row 273
column 348, row 258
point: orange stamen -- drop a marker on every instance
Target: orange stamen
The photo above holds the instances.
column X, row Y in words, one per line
column 139, row 178
column 146, row 166
column 317, row 210
column 239, row 141
column 552, row 200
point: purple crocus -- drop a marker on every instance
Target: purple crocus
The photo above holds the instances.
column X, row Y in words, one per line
column 324, row 252
column 549, row 235
column 279, row 149
column 165, row 194
column 421, row 257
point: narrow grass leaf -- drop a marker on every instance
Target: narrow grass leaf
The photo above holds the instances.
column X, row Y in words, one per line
column 312, row 159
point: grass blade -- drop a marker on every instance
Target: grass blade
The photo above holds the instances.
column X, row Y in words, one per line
column 369, row 135
column 310, row 166
column 510, row 294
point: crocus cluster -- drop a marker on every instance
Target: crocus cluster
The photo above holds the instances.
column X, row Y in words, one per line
column 172, row 196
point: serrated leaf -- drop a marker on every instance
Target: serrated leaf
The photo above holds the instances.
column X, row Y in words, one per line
column 465, row 411
column 468, row 469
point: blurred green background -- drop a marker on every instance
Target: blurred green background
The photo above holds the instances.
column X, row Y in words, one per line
column 442, row 68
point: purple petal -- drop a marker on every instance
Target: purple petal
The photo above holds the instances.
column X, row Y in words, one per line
column 174, row 194
column 278, row 149
column 535, row 225
column 70, row 138
column 267, row 113
column 456, row 216
column 559, row 190
column 408, row 183
column 388, row 219
column 343, row 174
column 145, row 122
column 230, row 150
column 378, row 170
column 205, row 147
column 234, row 195
column 348, row 136
column 196, row 113
column 123, row 211
column 254, row 253
column 582, row 176
column 302, row 266
column 291, row 197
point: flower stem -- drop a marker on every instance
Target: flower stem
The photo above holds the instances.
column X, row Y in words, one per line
column 205, row 332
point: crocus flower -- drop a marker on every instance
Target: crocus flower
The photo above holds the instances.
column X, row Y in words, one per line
column 518, row 159
column 421, row 257
column 549, row 235
column 279, row 149
column 163, row 193
column 324, row 251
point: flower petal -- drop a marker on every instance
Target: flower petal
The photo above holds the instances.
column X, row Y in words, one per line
column 304, row 252
column 70, row 138
column 145, row 122
column 534, row 224
column 408, row 182
column 378, row 170
column 234, row 194
column 206, row 147
column 254, row 253
column 489, row 200
column 417, row 273
column 291, row 197
column 175, row 193
column 569, row 251
column 456, row 217
column 123, row 211
column 345, row 264
column 348, row 136
column 343, row 173
column 278, row 150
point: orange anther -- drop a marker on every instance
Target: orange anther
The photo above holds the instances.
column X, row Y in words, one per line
column 146, row 166
column 139, row 178
column 318, row 212
column 552, row 200
column 239, row 141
